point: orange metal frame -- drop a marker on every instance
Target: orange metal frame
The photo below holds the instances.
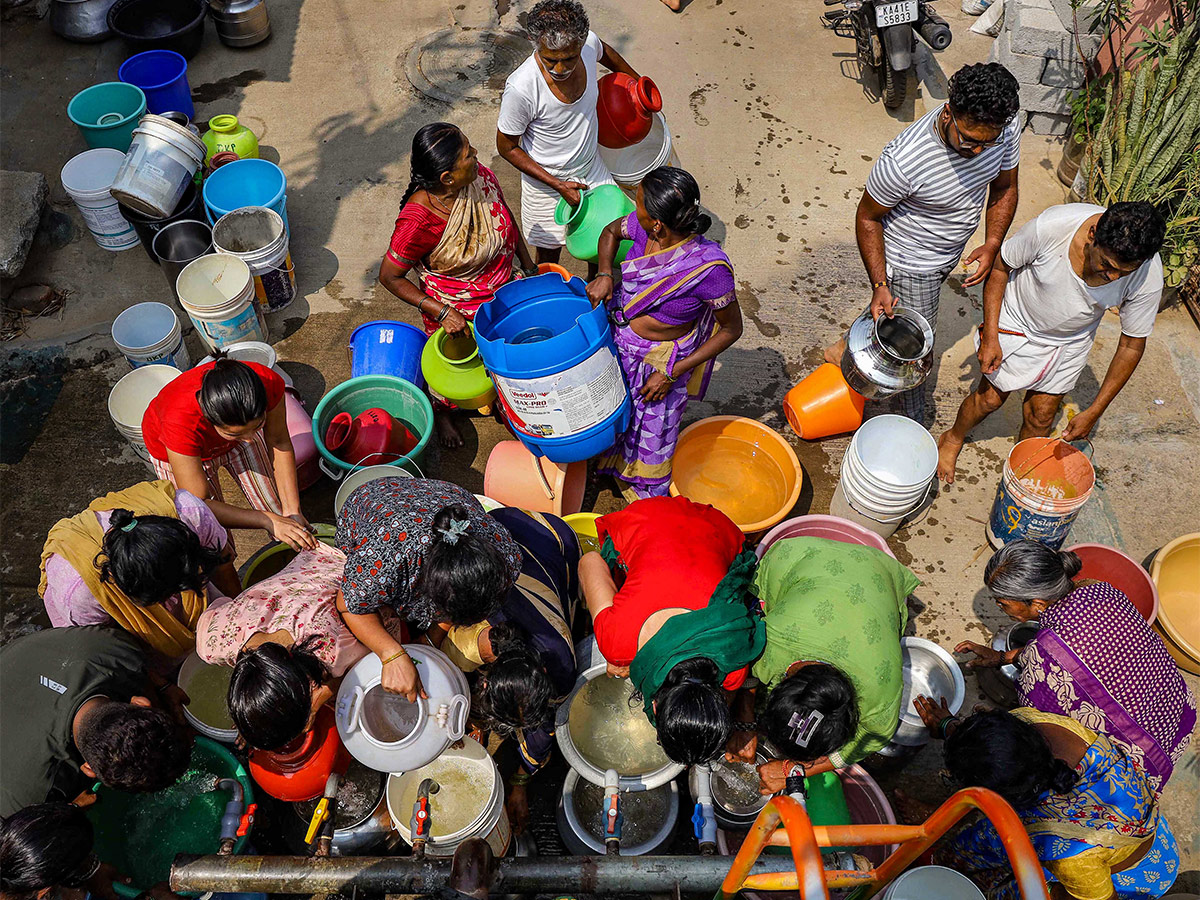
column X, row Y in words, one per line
column 804, row 839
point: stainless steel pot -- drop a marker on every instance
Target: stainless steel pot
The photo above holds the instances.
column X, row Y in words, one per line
column 362, row 822
column 1013, row 637
column 82, row 21
column 241, row 23
column 734, row 786
column 888, row 356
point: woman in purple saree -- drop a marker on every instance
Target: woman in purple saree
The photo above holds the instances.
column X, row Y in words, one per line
column 673, row 311
column 1093, row 659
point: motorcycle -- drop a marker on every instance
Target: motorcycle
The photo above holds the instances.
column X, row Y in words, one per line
column 885, row 38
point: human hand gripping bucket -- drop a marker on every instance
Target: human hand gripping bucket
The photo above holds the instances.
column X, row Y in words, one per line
column 1044, row 484
column 217, row 293
column 258, row 235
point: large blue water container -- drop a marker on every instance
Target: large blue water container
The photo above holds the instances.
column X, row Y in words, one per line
column 555, row 366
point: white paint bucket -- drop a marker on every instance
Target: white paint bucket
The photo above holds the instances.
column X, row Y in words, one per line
column 161, row 163
column 932, row 881
column 87, row 178
column 886, row 473
column 201, row 682
column 259, row 236
column 150, row 333
column 357, row 478
column 217, row 293
column 629, row 165
column 129, row 398
column 465, row 775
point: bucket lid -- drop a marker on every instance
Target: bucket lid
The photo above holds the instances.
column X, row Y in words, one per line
column 166, row 130
column 91, row 172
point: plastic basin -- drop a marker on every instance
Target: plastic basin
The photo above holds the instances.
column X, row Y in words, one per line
column 159, row 24
column 140, row 834
column 402, row 399
column 1101, row 563
column 584, row 526
column 829, row 527
column 1174, row 573
column 272, row 559
column 741, row 467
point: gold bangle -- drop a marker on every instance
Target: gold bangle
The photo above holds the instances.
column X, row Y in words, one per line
column 399, row 653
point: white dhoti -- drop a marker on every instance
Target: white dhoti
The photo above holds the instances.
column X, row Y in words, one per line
column 538, row 202
column 1028, row 365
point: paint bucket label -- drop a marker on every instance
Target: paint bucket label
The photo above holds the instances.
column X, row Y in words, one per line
column 108, row 226
column 177, row 357
column 276, row 288
column 1012, row 520
column 566, row 403
column 242, row 327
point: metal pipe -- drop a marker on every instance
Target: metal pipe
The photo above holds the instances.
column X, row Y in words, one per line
column 401, row 875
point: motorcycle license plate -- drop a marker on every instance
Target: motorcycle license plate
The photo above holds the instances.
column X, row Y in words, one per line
column 895, row 13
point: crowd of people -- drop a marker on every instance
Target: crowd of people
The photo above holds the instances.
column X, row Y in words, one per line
column 799, row 650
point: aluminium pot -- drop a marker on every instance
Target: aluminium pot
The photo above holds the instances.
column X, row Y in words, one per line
column 887, row 356
column 734, row 790
column 240, row 23
column 1014, row 637
column 81, row 21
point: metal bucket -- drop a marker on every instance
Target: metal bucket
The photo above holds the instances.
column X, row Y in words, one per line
column 241, row 23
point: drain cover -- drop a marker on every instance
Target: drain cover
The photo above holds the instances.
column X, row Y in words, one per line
column 463, row 64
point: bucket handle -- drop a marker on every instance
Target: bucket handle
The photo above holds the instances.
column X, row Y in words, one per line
column 900, row 518
column 338, row 476
column 546, row 489
column 456, row 725
column 1091, row 446
column 354, row 707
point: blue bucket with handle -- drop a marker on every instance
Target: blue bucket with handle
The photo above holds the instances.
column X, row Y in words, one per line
column 246, row 182
column 162, row 76
column 387, row 347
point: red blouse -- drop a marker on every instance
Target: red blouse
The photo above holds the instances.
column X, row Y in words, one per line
column 675, row 553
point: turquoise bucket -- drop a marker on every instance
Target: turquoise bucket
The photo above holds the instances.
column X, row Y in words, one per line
column 106, row 114
column 403, row 400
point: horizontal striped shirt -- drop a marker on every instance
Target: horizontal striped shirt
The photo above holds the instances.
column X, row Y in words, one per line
column 935, row 194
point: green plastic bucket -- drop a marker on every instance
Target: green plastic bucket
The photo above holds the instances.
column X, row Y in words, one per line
column 107, row 113
column 141, row 834
column 402, row 399
column 273, row 558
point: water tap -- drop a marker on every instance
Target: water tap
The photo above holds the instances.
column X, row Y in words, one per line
column 231, row 820
column 420, row 825
column 704, row 819
column 613, row 818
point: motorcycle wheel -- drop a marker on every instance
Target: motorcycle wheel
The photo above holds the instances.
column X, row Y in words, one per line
column 893, row 85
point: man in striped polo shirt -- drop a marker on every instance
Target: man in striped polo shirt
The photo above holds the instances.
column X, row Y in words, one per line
column 924, row 196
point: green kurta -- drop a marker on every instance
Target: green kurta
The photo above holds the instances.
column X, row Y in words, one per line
column 841, row 604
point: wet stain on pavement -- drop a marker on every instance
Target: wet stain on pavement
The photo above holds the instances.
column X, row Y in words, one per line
column 750, row 305
column 227, row 86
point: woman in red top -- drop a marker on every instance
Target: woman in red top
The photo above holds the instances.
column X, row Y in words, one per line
column 229, row 413
column 669, row 604
column 457, row 232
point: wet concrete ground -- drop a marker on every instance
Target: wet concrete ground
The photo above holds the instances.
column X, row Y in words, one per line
column 766, row 109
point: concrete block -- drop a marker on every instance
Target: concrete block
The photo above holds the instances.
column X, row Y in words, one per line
column 1025, row 67
column 1085, row 15
column 1049, row 123
column 1040, row 98
column 1040, row 32
column 24, row 9
column 22, row 196
column 1066, row 73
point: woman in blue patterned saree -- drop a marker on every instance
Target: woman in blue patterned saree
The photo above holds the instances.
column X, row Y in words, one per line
column 1089, row 811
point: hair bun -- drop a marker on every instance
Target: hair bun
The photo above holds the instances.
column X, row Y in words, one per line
column 120, row 518
column 1071, row 563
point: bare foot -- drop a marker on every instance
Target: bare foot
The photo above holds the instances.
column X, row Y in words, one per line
column 833, row 353
column 447, row 428
column 948, row 450
column 673, row 5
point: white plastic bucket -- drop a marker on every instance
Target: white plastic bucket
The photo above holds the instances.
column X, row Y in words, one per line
column 491, row 823
column 150, row 333
column 130, row 396
column 886, row 473
column 629, row 165
column 192, row 668
column 938, row 882
column 87, row 178
column 217, row 293
column 162, row 161
column 259, row 236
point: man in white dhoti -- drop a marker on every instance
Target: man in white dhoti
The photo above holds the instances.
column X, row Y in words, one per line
column 1042, row 304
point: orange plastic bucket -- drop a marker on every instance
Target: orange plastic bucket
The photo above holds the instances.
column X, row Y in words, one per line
column 515, row 477
column 1045, row 483
column 823, row 404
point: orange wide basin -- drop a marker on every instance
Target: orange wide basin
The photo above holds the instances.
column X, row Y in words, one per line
column 1174, row 571
column 741, row 467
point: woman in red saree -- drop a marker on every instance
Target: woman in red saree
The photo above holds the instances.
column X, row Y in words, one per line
column 456, row 231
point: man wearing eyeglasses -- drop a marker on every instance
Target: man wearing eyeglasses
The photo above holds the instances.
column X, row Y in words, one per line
column 924, row 196
column 1042, row 304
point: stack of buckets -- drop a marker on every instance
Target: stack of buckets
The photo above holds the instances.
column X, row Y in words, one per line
column 886, row 474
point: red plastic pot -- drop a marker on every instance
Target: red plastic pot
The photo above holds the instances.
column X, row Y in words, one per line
column 1122, row 571
column 625, row 109
column 371, row 438
column 299, row 771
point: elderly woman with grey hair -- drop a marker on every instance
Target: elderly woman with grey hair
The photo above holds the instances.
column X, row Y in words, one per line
column 1094, row 658
column 548, row 127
